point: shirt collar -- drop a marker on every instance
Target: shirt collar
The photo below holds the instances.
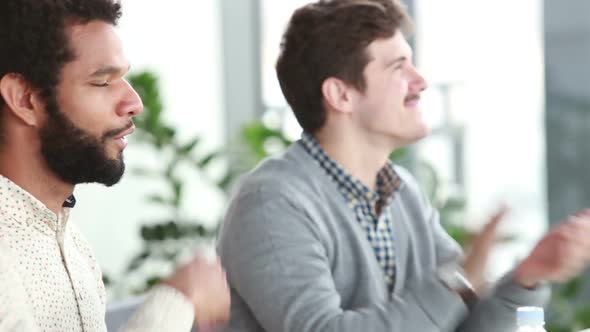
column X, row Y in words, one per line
column 387, row 181
column 23, row 207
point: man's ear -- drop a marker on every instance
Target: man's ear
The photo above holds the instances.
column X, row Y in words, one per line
column 21, row 99
column 338, row 95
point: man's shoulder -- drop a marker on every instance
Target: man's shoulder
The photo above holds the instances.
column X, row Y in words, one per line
column 410, row 188
column 408, row 181
column 288, row 173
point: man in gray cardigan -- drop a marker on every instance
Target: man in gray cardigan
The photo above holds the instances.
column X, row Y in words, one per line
column 330, row 236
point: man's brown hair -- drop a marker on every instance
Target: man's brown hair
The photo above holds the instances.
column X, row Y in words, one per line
column 326, row 39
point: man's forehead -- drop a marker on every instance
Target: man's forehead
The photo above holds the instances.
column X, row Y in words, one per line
column 96, row 46
column 80, row 32
column 389, row 48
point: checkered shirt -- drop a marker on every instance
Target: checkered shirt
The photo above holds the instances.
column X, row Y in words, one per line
column 365, row 203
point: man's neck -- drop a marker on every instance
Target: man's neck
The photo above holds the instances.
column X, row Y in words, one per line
column 35, row 178
column 358, row 156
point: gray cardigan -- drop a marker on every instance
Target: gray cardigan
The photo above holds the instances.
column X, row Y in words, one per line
column 298, row 261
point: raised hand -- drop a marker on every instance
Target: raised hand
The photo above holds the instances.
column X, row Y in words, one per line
column 204, row 283
column 562, row 254
column 476, row 261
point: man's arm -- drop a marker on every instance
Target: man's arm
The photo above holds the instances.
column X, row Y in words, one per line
column 197, row 289
column 496, row 312
column 277, row 263
column 165, row 309
column 560, row 255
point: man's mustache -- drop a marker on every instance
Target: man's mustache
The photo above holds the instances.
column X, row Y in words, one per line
column 413, row 97
column 115, row 132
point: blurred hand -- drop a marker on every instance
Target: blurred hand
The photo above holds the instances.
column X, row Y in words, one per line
column 562, row 254
column 204, row 283
column 477, row 258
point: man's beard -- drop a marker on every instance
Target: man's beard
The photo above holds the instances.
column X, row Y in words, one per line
column 75, row 155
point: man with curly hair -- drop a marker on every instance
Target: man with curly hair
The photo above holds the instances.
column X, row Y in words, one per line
column 331, row 236
column 65, row 112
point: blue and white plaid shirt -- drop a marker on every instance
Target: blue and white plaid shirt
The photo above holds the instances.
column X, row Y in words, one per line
column 365, row 203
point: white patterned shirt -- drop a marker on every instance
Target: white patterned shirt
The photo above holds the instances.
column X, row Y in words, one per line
column 51, row 281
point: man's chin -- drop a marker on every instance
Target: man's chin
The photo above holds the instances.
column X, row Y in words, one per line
column 107, row 175
column 109, row 181
column 114, row 177
column 426, row 130
column 417, row 136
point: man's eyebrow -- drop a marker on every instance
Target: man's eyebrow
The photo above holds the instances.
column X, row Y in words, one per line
column 109, row 70
column 395, row 61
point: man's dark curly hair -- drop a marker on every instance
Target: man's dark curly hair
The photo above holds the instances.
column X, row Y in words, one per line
column 33, row 38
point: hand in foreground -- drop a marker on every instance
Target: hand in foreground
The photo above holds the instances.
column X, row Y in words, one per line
column 559, row 256
column 476, row 261
column 203, row 282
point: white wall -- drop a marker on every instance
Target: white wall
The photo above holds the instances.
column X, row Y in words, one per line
column 494, row 49
column 180, row 41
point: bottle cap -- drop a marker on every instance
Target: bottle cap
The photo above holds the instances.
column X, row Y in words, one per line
column 530, row 316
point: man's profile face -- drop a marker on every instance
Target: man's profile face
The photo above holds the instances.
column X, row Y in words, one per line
column 389, row 107
column 84, row 135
